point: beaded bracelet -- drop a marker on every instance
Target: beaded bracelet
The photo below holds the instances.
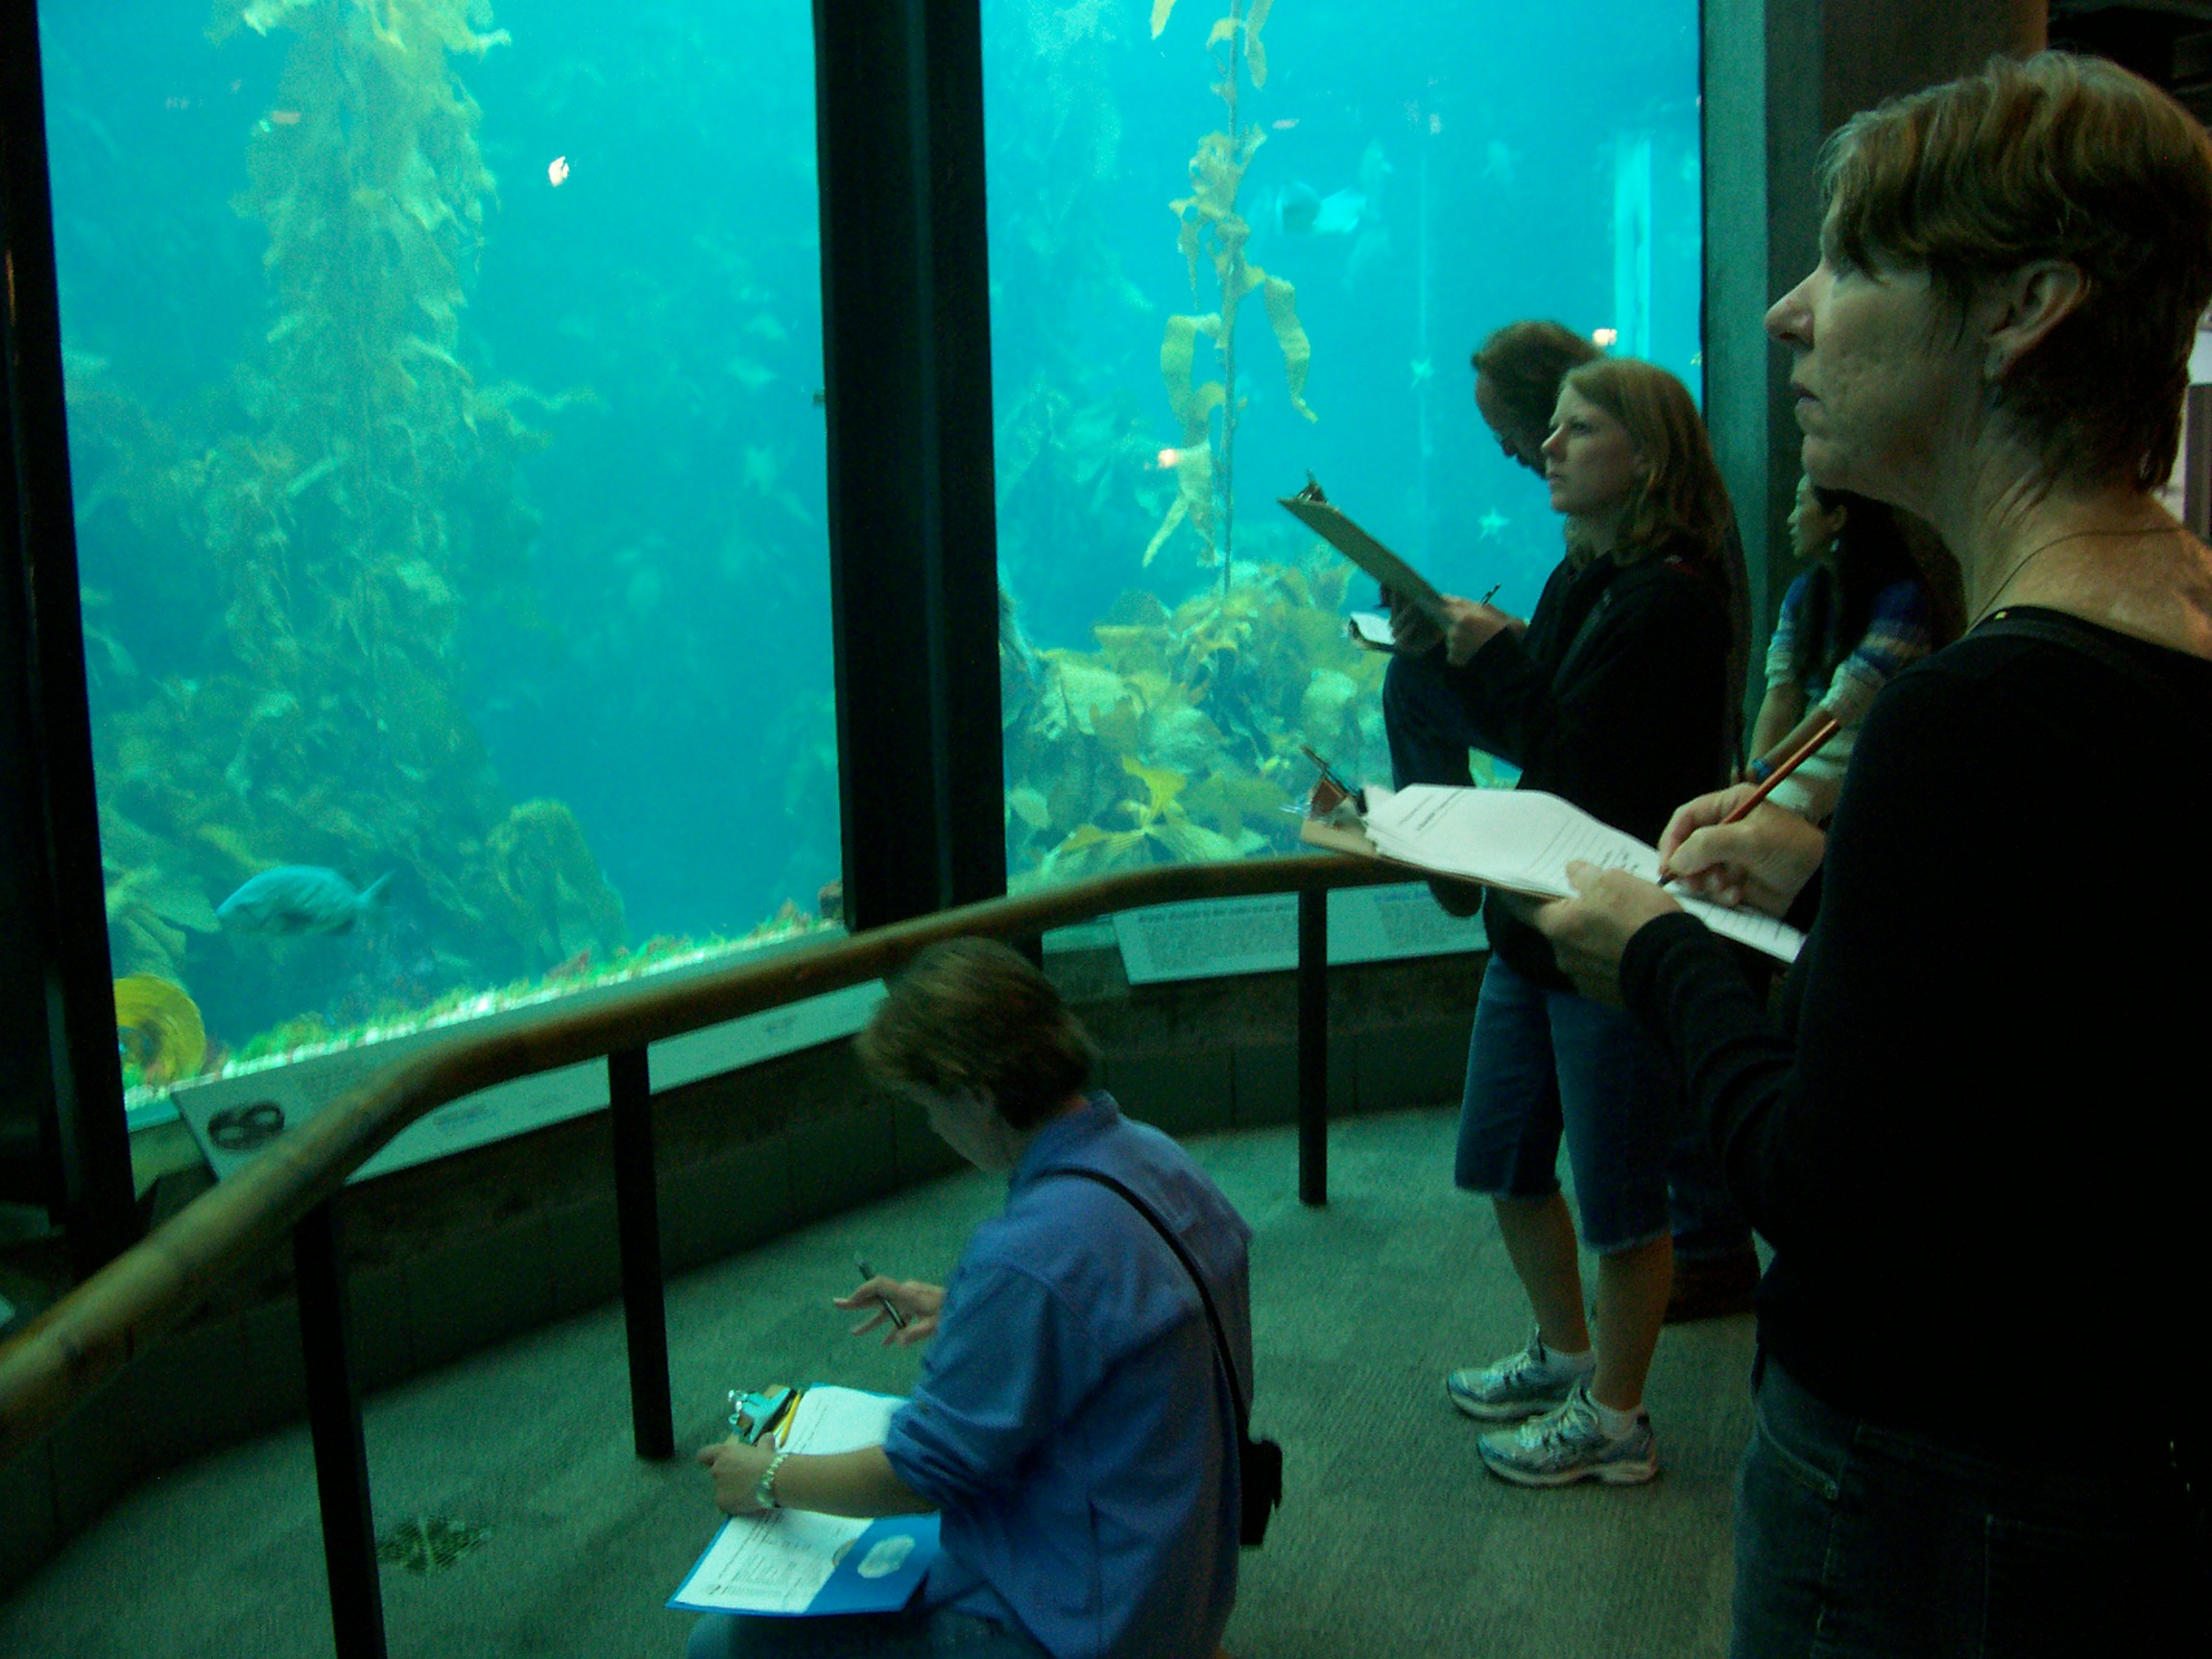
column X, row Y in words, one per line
column 764, row 1488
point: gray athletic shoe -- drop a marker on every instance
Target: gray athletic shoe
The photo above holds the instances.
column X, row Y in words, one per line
column 1519, row 1385
column 1567, row 1443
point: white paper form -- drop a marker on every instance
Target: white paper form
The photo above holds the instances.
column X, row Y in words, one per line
column 1370, row 629
column 1524, row 839
column 778, row 1562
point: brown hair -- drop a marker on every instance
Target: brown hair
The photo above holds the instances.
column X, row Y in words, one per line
column 1524, row 361
column 972, row 1014
column 2057, row 157
column 1680, row 505
column 1679, row 497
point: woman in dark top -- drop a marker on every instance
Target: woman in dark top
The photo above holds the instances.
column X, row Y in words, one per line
column 1616, row 694
column 1975, row 1134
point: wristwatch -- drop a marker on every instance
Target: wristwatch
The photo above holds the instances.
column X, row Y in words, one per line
column 764, row 1488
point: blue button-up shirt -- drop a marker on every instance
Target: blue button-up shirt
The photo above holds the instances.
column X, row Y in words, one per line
column 1072, row 1422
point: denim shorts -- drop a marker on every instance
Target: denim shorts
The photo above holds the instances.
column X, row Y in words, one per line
column 1547, row 1065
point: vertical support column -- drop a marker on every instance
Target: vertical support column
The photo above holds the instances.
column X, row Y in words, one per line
column 334, row 1423
column 1761, row 109
column 637, row 1225
column 1779, row 76
column 913, row 536
column 1313, row 1045
column 62, row 1015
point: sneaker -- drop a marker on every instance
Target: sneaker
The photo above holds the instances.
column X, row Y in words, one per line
column 1567, row 1443
column 1519, row 1385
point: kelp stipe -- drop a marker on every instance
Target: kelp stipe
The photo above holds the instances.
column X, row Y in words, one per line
column 348, row 501
column 1210, row 229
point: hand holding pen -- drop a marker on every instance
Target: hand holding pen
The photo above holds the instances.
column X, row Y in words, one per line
column 909, row 1307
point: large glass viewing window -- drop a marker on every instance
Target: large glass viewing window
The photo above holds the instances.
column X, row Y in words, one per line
column 444, row 385
column 1411, row 178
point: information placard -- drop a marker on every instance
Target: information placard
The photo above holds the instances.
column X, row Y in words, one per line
column 1215, row 938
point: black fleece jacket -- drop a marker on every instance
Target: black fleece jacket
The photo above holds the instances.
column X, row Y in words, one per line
column 1614, row 699
column 1976, row 1132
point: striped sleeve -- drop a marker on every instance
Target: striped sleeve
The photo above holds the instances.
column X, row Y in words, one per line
column 1782, row 647
column 1898, row 635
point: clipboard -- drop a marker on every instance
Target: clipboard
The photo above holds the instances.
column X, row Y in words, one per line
column 1313, row 510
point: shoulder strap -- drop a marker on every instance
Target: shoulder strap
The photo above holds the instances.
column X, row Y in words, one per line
column 1206, row 1296
column 2084, row 637
column 1590, row 620
column 1627, row 573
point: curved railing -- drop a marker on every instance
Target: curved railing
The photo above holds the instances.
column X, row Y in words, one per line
column 96, row 1330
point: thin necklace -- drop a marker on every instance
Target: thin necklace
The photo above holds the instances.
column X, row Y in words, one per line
column 2012, row 575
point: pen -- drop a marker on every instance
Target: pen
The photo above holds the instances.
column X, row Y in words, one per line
column 1828, row 728
column 898, row 1319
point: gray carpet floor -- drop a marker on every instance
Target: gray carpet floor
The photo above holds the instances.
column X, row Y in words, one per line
column 1392, row 1539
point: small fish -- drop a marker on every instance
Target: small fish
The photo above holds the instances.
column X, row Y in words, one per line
column 1340, row 214
column 1424, row 370
column 556, row 171
column 299, row 898
column 1294, row 208
column 1298, row 209
column 1491, row 523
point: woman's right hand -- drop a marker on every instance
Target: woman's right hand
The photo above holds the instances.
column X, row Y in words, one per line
column 920, row 1303
column 1411, row 633
column 1762, row 863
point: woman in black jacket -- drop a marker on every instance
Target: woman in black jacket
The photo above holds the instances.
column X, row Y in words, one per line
column 1976, row 1137
column 1618, row 692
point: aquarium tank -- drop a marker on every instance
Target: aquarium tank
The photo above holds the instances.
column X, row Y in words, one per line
column 1237, row 242
column 444, row 385
column 443, row 390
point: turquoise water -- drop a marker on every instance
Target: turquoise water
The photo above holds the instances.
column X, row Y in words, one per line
column 449, row 478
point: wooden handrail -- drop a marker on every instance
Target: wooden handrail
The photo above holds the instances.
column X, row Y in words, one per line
column 96, row 1330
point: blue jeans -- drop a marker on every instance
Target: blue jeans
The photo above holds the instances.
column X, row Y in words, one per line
column 1859, row 1542
column 917, row 1633
column 1431, row 728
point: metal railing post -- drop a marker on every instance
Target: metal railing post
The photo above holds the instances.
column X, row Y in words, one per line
column 334, row 1422
column 638, row 1223
column 1313, row 1045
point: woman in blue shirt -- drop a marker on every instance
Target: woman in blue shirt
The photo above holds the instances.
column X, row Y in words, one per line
column 1072, row 1423
column 1859, row 616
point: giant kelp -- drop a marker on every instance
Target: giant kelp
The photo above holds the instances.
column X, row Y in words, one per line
column 1211, row 233
column 344, row 505
column 1178, row 738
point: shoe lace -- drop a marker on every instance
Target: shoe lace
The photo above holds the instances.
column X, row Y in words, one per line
column 1574, row 1422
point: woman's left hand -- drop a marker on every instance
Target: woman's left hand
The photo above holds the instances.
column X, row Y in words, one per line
column 737, row 1470
column 1590, row 931
column 1469, row 626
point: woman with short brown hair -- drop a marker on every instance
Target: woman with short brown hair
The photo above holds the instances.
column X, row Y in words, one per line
column 1964, row 1139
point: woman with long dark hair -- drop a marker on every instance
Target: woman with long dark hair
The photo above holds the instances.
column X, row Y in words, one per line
column 1858, row 617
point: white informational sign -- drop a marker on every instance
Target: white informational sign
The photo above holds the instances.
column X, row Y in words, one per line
column 233, row 1117
column 1213, row 938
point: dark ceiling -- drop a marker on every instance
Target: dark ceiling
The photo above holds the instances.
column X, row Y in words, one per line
column 2169, row 41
